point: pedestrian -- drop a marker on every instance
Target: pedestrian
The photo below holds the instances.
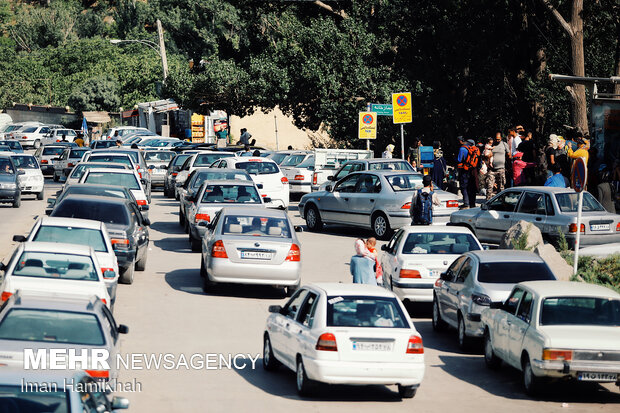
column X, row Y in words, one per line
column 561, row 157
column 501, row 151
column 468, row 157
column 422, row 202
column 517, row 139
column 518, row 165
column 486, row 178
column 221, row 133
column 244, row 139
column 550, row 153
column 526, row 147
column 440, row 166
column 371, row 245
column 134, row 146
column 64, row 138
column 246, row 148
column 361, row 265
column 290, row 148
column 605, row 193
column 387, row 153
column 116, row 136
column 256, row 153
column 119, row 143
column 557, row 179
column 582, row 148
column 414, row 165
column 79, row 141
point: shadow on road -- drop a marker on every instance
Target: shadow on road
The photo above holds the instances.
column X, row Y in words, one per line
column 167, row 227
column 173, row 244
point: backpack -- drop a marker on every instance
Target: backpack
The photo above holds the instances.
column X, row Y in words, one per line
column 423, row 208
column 473, row 157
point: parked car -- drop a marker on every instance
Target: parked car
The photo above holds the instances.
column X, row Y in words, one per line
column 300, row 175
column 210, row 198
column 102, row 143
column 52, row 321
column 54, row 268
column 32, row 181
column 172, row 171
column 357, row 165
column 46, row 156
column 112, row 191
column 555, row 330
column 377, row 200
column 31, row 135
column 552, row 210
column 10, row 191
column 78, row 170
column 416, row 255
column 119, row 177
column 200, row 159
column 67, row 160
column 82, row 232
column 15, row 146
column 345, row 334
column 251, row 245
column 58, row 135
column 157, row 163
column 127, row 228
column 476, row 279
column 264, row 172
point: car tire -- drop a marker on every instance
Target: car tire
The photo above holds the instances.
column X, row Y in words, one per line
column 17, row 202
column 407, row 392
column 126, row 277
column 490, row 358
column 203, row 269
column 437, row 321
column 531, row 383
column 40, row 195
column 141, row 263
column 381, row 226
column 181, row 218
column 269, row 361
column 313, row 218
column 207, row 285
column 305, row 386
column 463, row 340
column 195, row 244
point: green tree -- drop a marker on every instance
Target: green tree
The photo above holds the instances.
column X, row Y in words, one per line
column 100, row 93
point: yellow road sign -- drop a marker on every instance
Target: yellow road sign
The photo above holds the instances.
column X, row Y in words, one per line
column 401, row 102
column 367, row 125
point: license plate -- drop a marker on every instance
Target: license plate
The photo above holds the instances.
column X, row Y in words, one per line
column 256, row 255
column 612, row 377
column 599, row 227
column 433, row 273
column 371, row 346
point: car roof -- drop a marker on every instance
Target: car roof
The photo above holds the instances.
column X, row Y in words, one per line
column 96, row 198
column 352, row 289
column 96, row 186
column 107, row 152
column 569, row 288
column 112, row 171
column 443, row 229
column 103, row 163
column 506, row 256
column 387, row 172
column 243, row 182
column 71, row 222
column 75, row 249
column 546, row 189
column 54, row 146
column 382, row 160
column 215, row 170
column 253, row 211
column 251, row 159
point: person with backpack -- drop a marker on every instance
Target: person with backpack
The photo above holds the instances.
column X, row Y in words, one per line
column 468, row 158
column 421, row 209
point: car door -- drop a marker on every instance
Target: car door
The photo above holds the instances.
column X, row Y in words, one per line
column 140, row 231
column 303, row 340
column 496, row 216
column 457, row 292
column 362, row 201
column 532, row 208
column 335, row 204
column 281, row 333
column 501, row 336
column 517, row 327
column 389, row 259
column 443, row 292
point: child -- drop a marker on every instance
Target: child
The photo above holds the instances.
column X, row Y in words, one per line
column 518, row 165
column 371, row 244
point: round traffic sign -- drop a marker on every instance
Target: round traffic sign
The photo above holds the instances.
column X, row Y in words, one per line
column 579, row 175
column 367, row 119
column 401, row 100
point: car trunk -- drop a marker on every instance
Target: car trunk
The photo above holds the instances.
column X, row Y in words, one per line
column 582, row 337
column 371, row 344
column 55, row 285
column 429, row 266
column 257, row 250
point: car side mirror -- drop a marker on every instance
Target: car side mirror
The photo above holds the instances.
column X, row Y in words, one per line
column 486, row 247
column 384, row 247
column 497, row 305
column 120, row 403
column 123, row 329
column 329, row 188
column 266, row 199
column 143, row 181
column 484, row 207
column 146, row 221
column 19, row 238
column 331, row 178
column 298, row 228
column 275, row 309
column 444, row 276
column 259, row 186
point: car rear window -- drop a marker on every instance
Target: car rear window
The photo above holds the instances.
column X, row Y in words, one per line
column 206, row 159
column 29, row 130
column 159, row 156
column 278, row 157
column 293, row 160
column 104, row 144
column 244, row 194
column 179, row 159
column 513, row 272
column 77, row 153
column 111, row 178
column 217, row 176
column 80, row 189
column 83, row 236
column 258, row 167
column 52, row 151
column 79, row 170
column 55, row 265
column 404, row 182
column 439, row 243
column 98, row 211
column 569, row 202
column 14, row 145
column 360, row 311
column 111, row 158
column 256, row 226
column 25, row 161
column 50, row 400
column 52, row 327
column 580, row 311
column 390, row 166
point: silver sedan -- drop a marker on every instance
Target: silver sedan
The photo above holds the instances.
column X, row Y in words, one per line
column 251, row 245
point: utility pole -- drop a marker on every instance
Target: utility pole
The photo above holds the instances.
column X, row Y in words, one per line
column 162, row 49
column 275, row 119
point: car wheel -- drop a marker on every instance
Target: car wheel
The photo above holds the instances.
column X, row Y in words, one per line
column 203, row 269
column 126, row 276
column 305, row 386
column 407, row 392
column 531, row 383
column 55, row 177
column 438, row 323
column 269, row 361
column 176, row 195
column 313, row 219
column 181, row 218
column 37, row 144
column 490, row 359
column 141, row 264
column 186, row 226
column 381, row 226
column 40, row 195
column 17, row 201
column 462, row 336
column 195, row 243
column 207, row 285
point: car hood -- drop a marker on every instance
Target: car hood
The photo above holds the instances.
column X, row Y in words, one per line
column 7, row 178
column 582, row 337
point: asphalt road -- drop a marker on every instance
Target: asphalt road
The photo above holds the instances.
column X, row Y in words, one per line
column 167, row 313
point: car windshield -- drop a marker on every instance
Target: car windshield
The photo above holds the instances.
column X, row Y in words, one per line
column 111, row 158
column 77, row 153
column 513, row 272
column 391, row 165
column 293, row 160
column 111, row 178
column 25, row 161
column 79, row 170
column 580, row 311
column 439, row 243
column 309, row 162
column 278, row 157
column 405, row 182
column 360, row 311
column 256, row 226
column 55, row 265
column 104, row 212
column 83, row 236
column 49, row 400
column 13, row 144
column 215, row 175
column 569, row 202
column 53, row 150
column 51, row 326
column 258, row 168
column 6, row 167
column 206, row 159
column 243, row 194
column 158, row 156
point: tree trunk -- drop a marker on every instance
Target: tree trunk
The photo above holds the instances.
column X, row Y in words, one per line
column 580, row 111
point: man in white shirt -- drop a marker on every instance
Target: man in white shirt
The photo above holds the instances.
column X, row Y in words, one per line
column 516, row 141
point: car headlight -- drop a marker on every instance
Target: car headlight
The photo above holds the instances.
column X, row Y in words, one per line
column 9, row 185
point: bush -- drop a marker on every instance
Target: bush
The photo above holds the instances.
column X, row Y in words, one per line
column 602, row 271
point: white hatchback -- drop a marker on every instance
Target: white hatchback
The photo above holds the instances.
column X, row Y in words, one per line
column 345, row 334
column 267, row 175
column 123, row 177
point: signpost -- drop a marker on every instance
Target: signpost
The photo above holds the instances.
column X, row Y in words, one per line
column 579, row 177
column 382, row 109
column 367, row 125
column 402, row 113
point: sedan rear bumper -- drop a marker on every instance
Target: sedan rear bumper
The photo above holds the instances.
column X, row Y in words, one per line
column 594, row 239
column 223, row 270
column 300, row 187
column 362, row 373
column 416, row 292
column 125, row 258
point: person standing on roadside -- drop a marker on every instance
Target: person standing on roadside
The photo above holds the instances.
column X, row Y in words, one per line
column 526, row 147
column 501, row 151
column 387, row 153
column 79, row 141
column 517, row 139
column 361, row 265
column 556, row 180
column 244, row 139
column 422, row 203
column 439, row 165
column 467, row 159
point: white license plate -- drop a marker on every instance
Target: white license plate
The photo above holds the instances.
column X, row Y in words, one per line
column 612, row 377
column 599, row 227
column 371, row 346
column 256, row 255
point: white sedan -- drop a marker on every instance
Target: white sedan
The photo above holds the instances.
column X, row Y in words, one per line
column 416, row 255
column 555, row 329
column 345, row 334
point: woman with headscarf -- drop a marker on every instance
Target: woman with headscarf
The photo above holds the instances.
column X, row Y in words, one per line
column 439, row 166
column 550, row 153
column 362, row 265
column 387, row 153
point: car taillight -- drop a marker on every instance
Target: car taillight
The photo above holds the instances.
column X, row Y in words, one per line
column 202, row 217
column 120, row 243
column 218, row 250
column 298, row 178
column 415, row 346
column 98, row 374
column 406, row 206
column 618, row 227
column 103, row 270
column 24, row 137
column 141, row 202
column 284, row 180
column 314, row 178
column 70, row 165
column 438, row 282
column 294, row 254
column 573, row 228
column 43, row 160
column 481, row 299
column 6, row 295
column 452, row 204
column 326, row 342
column 410, row 274
column 103, row 300
column 549, row 354
column 174, row 173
